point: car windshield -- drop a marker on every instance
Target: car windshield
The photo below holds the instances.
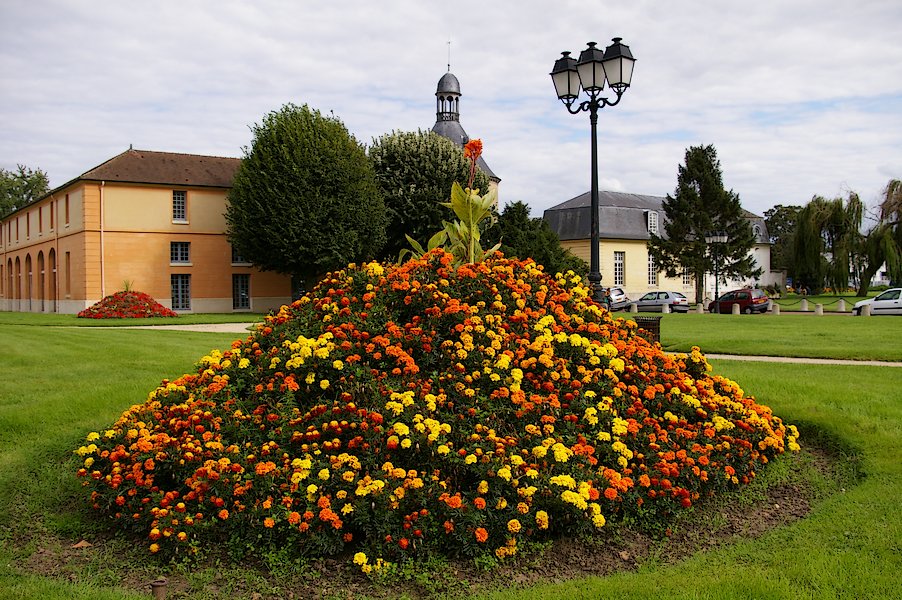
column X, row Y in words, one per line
column 888, row 295
column 678, row 295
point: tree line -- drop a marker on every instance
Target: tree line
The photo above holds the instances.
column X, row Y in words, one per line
column 836, row 242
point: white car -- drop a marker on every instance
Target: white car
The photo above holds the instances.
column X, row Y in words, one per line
column 887, row 303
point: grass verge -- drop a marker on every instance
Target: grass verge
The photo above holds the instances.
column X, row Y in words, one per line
column 829, row 336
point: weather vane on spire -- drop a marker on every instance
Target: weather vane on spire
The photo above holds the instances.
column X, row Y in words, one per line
column 449, row 53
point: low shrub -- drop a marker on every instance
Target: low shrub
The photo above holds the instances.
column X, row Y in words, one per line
column 401, row 411
column 126, row 305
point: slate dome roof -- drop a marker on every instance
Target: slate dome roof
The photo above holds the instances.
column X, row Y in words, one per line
column 448, row 84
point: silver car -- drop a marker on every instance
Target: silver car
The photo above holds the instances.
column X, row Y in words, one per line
column 619, row 299
column 655, row 301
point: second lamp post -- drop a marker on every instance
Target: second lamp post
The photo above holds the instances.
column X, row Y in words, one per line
column 594, row 67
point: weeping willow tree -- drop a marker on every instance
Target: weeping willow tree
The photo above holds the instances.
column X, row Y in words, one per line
column 827, row 240
column 883, row 243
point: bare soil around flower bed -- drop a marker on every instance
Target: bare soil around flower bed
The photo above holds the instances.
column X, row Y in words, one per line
column 712, row 524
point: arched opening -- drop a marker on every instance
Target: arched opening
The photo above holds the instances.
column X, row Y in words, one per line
column 17, row 289
column 42, row 280
column 29, row 292
column 51, row 291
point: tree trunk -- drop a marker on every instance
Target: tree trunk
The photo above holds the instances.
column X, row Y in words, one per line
column 865, row 282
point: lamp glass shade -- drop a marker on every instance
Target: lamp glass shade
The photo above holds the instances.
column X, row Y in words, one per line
column 618, row 64
column 591, row 71
column 565, row 77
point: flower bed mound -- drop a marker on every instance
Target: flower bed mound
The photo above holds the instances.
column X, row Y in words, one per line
column 405, row 410
column 126, row 305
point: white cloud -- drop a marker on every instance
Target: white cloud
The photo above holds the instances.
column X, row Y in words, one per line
column 800, row 97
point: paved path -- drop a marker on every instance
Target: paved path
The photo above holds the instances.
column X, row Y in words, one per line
column 810, row 361
column 243, row 328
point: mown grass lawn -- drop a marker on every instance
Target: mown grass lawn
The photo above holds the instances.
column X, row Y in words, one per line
column 60, row 383
column 828, row 336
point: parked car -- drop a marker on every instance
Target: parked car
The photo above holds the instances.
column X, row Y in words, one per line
column 750, row 300
column 655, row 301
column 619, row 299
column 887, row 303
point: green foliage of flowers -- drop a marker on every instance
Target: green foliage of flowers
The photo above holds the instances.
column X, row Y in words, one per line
column 421, row 409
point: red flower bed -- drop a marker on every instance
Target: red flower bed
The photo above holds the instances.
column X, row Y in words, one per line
column 126, row 305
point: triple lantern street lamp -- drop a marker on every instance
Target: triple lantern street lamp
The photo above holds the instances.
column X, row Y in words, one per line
column 716, row 239
column 589, row 74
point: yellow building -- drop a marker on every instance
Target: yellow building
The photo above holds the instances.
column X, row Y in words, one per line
column 154, row 221
column 625, row 221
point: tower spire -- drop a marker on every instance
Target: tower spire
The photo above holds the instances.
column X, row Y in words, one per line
column 449, row 53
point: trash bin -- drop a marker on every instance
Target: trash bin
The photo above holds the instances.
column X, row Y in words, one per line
column 649, row 328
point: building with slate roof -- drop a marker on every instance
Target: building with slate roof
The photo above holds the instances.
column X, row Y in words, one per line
column 153, row 219
column 447, row 120
column 625, row 223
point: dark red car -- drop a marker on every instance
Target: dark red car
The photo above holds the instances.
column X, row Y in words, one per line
column 750, row 300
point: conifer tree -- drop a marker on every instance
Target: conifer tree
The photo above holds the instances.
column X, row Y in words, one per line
column 701, row 205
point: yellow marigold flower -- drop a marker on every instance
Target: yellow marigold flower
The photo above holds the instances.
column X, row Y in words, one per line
column 92, row 436
column 539, row 451
column 514, row 526
column 338, row 365
column 617, row 364
column 243, row 363
column 401, row 429
column 154, row 548
column 360, row 559
column 443, row 449
column 542, row 519
column 470, row 459
column 504, row 473
column 324, row 384
column 406, row 443
column 598, row 521
column 89, row 461
column 522, row 508
column 323, row 474
column 347, row 509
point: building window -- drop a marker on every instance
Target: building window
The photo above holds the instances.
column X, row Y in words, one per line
column 179, row 252
column 619, row 267
column 241, row 292
column 687, row 278
column 27, row 226
column 40, row 220
column 237, row 258
column 52, row 202
column 652, row 271
column 181, row 292
column 652, row 220
column 67, row 209
column 180, row 206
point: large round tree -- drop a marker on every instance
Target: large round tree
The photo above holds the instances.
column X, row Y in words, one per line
column 305, row 200
column 415, row 171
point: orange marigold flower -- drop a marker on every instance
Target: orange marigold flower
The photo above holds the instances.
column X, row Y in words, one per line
column 269, row 523
column 223, row 514
column 610, row 493
column 294, row 517
column 481, row 535
column 479, row 503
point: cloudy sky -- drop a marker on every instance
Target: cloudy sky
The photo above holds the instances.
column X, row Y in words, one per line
column 799, row 97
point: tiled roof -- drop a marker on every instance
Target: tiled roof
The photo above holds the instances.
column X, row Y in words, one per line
column 166, row 168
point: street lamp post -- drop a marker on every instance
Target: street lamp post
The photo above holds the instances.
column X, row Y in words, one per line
column 614, row 65
column 714, row 239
